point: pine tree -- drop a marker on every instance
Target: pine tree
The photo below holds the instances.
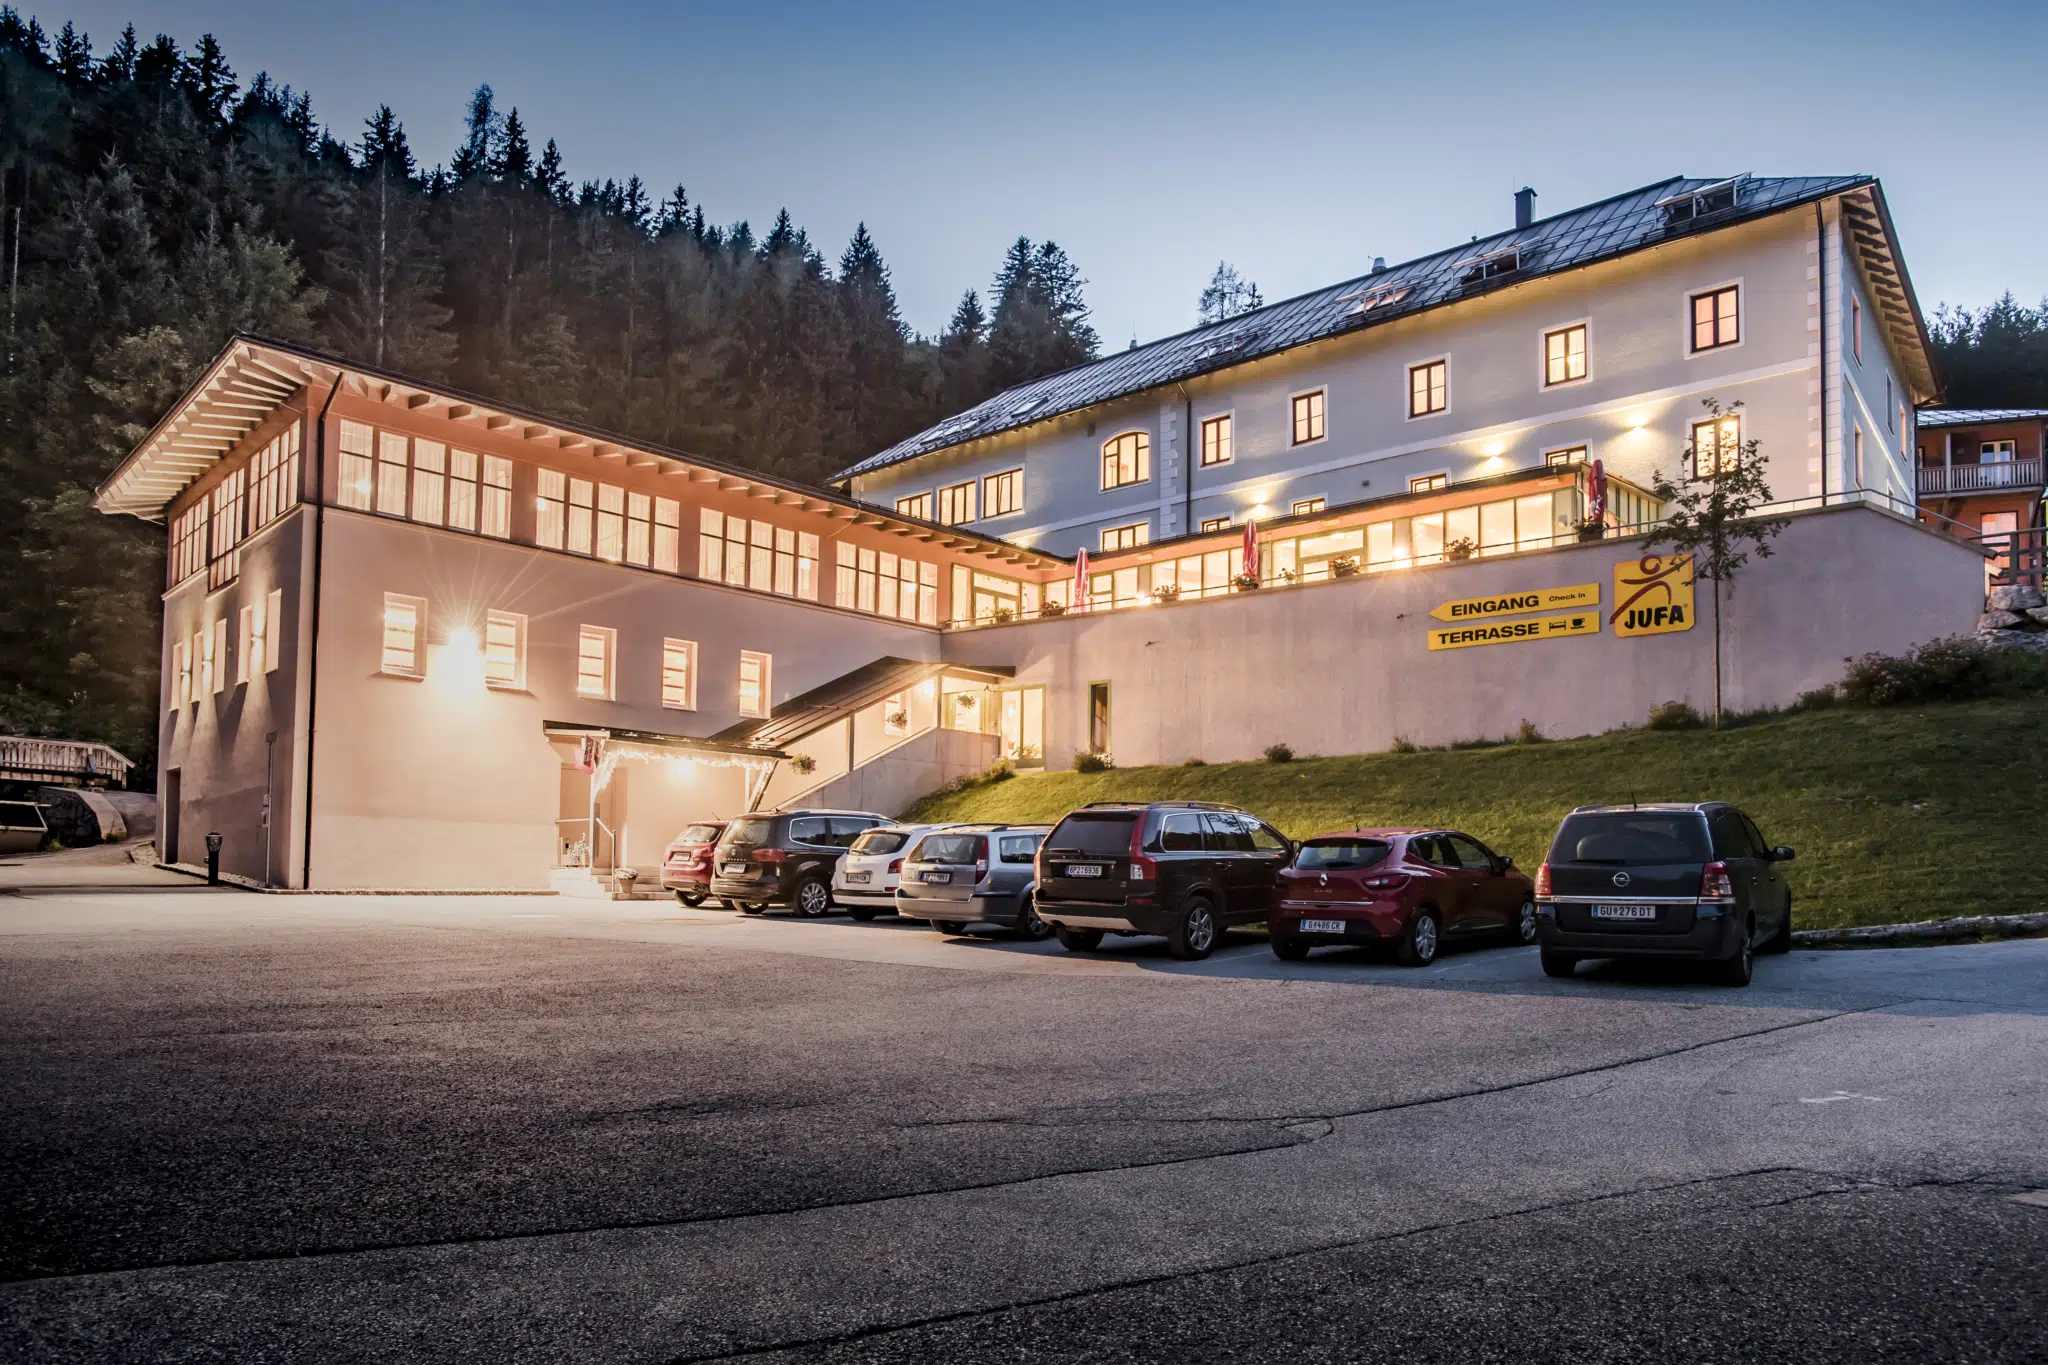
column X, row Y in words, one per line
column 386, row 270
column 210, row 79
column 1040, row 325
column 119, row 64
column 1227, row 295
column 875, row 341
column 74, row 54
column 513, row 162
column 473, row 158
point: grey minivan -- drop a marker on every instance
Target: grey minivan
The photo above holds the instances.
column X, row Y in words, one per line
column 974, row 874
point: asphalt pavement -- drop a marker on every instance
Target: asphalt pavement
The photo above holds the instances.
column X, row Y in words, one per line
column 253, row 1128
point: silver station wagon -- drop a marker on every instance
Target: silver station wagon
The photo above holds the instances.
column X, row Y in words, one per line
column 974, row 874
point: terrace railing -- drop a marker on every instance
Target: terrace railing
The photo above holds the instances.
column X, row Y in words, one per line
column 63, row 762
column 1943, row 480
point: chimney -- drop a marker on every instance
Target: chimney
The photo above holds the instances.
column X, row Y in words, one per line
column 1379, row 264
column 1525, row 207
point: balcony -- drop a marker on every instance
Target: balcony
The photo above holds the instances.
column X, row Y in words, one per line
column 1942, row 481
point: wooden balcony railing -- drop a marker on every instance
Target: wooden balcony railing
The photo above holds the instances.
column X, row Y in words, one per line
column 1980, row 478
column 63, row 762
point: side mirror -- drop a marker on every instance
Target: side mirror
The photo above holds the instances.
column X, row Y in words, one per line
column 1782, row 854
column 1506, row 861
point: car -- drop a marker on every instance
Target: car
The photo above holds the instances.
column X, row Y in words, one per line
column 785, row 858
column 1693, row 881
column 865, row 881
column 686, row 862
column 1185, row 869
column 1417, row 889
column 974, row 874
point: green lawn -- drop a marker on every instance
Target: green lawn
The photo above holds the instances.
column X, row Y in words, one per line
column 1902, row 814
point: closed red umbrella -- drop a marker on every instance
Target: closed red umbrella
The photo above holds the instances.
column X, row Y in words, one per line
column 1251, row 548
column 1081, row 580
column 1596, row 494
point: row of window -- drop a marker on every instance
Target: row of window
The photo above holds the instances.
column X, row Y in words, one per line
column 403, row 655
column 426, row 481
column 1001, row 494
column 200, row 664
column 209, row 534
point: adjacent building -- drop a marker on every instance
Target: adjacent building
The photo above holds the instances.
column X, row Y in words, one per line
column 1980, row 474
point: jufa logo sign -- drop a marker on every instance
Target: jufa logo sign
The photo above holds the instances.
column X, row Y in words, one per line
column 1652, row 596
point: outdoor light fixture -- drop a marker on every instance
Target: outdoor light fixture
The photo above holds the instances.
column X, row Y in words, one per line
column 464, row 639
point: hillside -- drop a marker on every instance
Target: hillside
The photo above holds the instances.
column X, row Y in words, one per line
column 1899, row 814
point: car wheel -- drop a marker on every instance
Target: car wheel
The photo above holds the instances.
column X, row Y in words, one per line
column 1424, row 937
column 729, row 903
column 1525, row 923
column 863, row 916
column 1780, row 942
column 950, row 926
column 690, row 900
column 812, row 899
column 1736, row 970
column 1078, row 940
column 1194, row 937
column 753, row 907
column 1289, row 947
column 1029, row 925
column 1559, row 964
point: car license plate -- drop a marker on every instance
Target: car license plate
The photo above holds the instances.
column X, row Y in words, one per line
column 935, row 876
column 857, row 878
column 733, row 869
column 1624, row 912
column 1322, row 926
column 1083, row 870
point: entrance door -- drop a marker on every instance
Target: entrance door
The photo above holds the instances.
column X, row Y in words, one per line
column 173, row 798
column 1023, row 725
column 1098, row 717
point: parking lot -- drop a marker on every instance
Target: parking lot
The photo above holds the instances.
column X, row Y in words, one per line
column 251, row 1128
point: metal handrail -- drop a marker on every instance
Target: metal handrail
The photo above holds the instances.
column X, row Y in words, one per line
column 612, row 840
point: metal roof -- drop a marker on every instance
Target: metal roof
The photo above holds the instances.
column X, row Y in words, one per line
column 1975, row 417
column 1646, row 217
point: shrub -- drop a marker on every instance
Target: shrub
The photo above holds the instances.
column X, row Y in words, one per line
column 1953, row 669
column 803, row 763
column 1674, row 715
column 1089, row 761
column 1002, row 616
column 1196, row 761
column 1165, row 592
column 1819, row 699
column 1529, row 734
column 1343, row 566
column 1403, row 745
column 1279, row 753
column 1461, row 548
column 1246, row 582
column 1052, row 608
column 1002, row 770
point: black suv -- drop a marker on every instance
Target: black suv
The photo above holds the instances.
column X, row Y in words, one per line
column 1682, row 881
column 785, row 858
column 1185, row 869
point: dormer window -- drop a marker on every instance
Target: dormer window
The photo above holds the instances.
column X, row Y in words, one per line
column 1687, row 205
column 1492, row 264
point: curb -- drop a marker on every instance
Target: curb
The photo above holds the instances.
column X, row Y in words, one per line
column 1964, row 929
column 241, row 883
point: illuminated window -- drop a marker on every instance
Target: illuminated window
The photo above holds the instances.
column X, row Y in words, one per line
column 462, row 490
column 1308, row 417
column 1215, row 523
column 391, row 473
column 497, row 491
column 956, row 504
column 1571, row 455
column 896, row 714
column 1216, row 440
column 188, row 543
column 1429, row 387
column 246, row 637
column 918, row 505
column 1716, row 445
column 639, row 529
column 610, row 541
column 429, row 482
column 358, row 466
column 1716, row 319
column 1002, row 494
column 552, row 499
column 270, row 630
column 1856, row 327
column 405, row 626
column 181, row 673
column 1564, row 354
column 1126, row 459
column 679, row 675
column 224, row 557
column 668, row 535
column 1304, row 506
column 1428, row 483
column 274, row 484
column 1127, row 537
column 504, row 649
column 755, row 683
column 887, row 584
column 582, row 519
column 594, row 661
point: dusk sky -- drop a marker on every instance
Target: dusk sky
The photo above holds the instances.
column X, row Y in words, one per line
column 1151, row 141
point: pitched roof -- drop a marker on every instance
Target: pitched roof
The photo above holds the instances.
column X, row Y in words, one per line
column 1976, row 417
column 1578, row 237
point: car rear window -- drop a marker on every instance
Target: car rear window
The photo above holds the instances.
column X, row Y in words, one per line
column 698, row 834
column 750, row 831
column 1635, row 837
column 880, row 841
column 1101, row 834
column 1335, row 854
column 950, row 848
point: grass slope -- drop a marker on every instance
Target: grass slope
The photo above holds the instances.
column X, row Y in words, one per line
column 1900, row 814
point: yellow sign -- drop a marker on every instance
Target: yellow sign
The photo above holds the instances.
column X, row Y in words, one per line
column 1515, row 632
column 1512, row 603
column 1652, row 595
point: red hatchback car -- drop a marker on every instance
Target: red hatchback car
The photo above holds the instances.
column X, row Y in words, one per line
column 686, row 862
column 1417, row 889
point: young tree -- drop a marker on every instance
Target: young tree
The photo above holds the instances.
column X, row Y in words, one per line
column 1713, row 517
column 1227, row 295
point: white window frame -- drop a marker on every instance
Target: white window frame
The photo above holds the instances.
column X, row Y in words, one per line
column 1300, row 507
column 930, row 499
column 273, row 621
column 672, row 648
column 1292, row 399
column 1443, row 474
column 1144, row 460
column 1741, row 318
column 969, row 489
column 181, row 673
column 417, row 668
column 1229, row 418
column 1543, row 337
column 1585, row 446
column 764, row 698
column 246, row 642
column 517, row 624
column 608, row 637
column 987, row 512
column 1408, row 388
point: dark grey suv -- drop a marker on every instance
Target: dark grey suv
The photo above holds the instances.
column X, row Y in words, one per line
column 784, row 858
column 973, row 874
column 1693, row 881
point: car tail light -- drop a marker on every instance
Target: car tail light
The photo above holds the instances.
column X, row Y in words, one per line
column 895, row 866
column 769, row 855
column 1543, row 880
column 1387, row 881
column 1143, row 869
column 1715, row 883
